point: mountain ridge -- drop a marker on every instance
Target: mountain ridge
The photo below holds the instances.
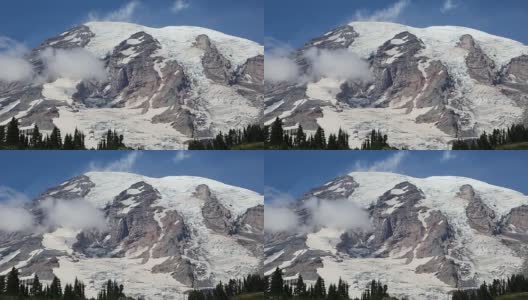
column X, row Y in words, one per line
column 425, row 238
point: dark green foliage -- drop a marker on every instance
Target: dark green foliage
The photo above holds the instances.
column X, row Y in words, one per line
column 494, row 140
column 13, row 283
column 375, row 141
column 273, row 137
column 13, row 138
column 499, row 287
column 13, row 133
column 112, row 141
column 252, row 134
column 252, row 284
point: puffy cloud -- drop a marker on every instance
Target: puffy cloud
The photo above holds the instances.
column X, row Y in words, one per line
column 278, row 65
column 389, row 14
column 338, row 214
column 280, row 219
column 13, row 216
column 74, row 214
column 448, row 6
column 123, row 14
column 180, row 5
column 390, row 164
column 339, row 64
column 335, row 213
column 78, row 64
column 13, row 67
column 15, row 219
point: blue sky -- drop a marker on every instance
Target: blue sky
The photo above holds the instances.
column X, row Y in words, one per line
column 297, row 172
column 32, row 172
column 32, row 21
column 296, row 21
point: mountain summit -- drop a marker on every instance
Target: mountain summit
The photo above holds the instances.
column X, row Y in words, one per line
column 158, row 86
column 425, row 236
column 160, row 237
column 424, row 87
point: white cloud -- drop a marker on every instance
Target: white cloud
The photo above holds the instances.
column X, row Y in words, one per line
column 278, row 65
column 13, row 67
column 180, row 5
column 335, row 213
column 389, row 14
column 124, row 164
column 280, row 219
column 339, row 64
column 449, row 5
column 338, row 214
column 78, row 64
column 15, row 219
column 123, row 14
column 74, row 214
column 447, row 156
column 181, row 156
column 390, row 164
column 13, row 216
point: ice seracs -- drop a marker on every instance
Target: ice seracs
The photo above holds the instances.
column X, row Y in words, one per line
column 161, row 88
column 428, row 236
column 160, row 238
column 429, row 86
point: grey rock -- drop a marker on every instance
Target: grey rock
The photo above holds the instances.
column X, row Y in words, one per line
column 216, row 66
column 515, row 74
column 480, row 216
column 480, row 66
column 515, row 223
column 216, row 216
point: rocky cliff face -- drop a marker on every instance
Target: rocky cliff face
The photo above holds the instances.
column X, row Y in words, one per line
column 163, row 87
column 434, row 234
column 172, row 234
column 425, row 86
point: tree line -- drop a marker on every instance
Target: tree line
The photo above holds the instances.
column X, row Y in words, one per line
column 276, row 137
column 297, row 289
column 13, row 138
column 235, row 287
column 499, row 287
column 498, row 137
column 12, row 287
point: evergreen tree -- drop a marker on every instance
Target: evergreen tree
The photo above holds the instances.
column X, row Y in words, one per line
column 2, row 135
column 300, row 287
column 36, row 138
column 36, row 287
column 277, row 133
column 55, row 140
column 319, row 139
column 68, row 143
column 55, row 289
column 13, row 283
column 319, row 288
column 277, row 283
column 2, row 285
column 300, row 138
column 68, row 293
column 332, row 142
column 13, row 133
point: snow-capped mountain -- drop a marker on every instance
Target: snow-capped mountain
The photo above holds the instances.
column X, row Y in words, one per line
column 426, row 237
column 426, row 87
column 160, row 237
column 160, row 88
